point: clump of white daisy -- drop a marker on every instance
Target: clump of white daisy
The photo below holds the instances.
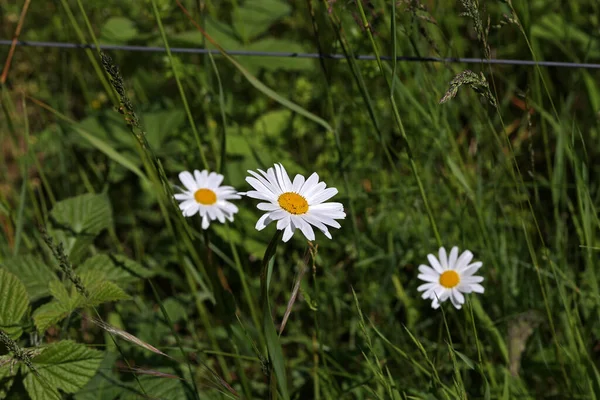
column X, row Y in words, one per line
column 299, row 204
column 450, row 277
column 205, row 195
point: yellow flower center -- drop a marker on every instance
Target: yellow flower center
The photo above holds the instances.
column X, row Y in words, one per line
column 293, row 203
column 205, row 196
column 449, row 279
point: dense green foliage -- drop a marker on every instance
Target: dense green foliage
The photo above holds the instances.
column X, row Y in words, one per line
column 107, row 292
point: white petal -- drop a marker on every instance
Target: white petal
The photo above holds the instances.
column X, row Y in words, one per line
column 268, row 206
column 268, row 196
column 464, row 259
column 310, row 182
column 455, row 303
column 477, row 288
column 443, row 296
column 191, row 210
column 443, row 258
column 200, row 177
column 315, row 222
column 426, row 286
column 287, row 233
column 435, row 263
column 458, row 296
column 429, row 278
column 472, row 268
column 286, row 183
column 329, row 207
column 279, row 214
column 259, row 186
column 430, row 293
column 219, row 214
column 187, row 204
column 452, row 258
column 320, row 197
column 265, row 183
column 435, row 304
column 305, row 228
column 228, row 207
column 471, row 279
column 205, row 222
column 325, row 219
column 298, row 182
column 184, row 196
column 214, row 180
column 424, row 269
column 188, row 181
column 272, row 178
column 284, row 222
column 308, row 193
column 211, row 213
column 262, row 222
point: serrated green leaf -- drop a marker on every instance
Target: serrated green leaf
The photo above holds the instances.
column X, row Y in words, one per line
column 38, row 389
column 65, row 365
column 49, row 314
column 162, row 388
column 7, row 375
column 13, row 303
column 116, row 268
column 105, row 384
column 78, row 220
column 33, row 272
column 68, row 300
column 255, row 17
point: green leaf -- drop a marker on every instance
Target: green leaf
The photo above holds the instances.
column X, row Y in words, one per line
column 116, row 268
column 466, row 359
column 68, row 300
column 66, row 365
column 158, row 387
column 38, row 389
column 159, row 124
column 7, row 377
column 255, row 17
column 105, row 384
column 78, row 220
column 49, row 314
column 118, row 30
column 33, row 272
column 13, row 303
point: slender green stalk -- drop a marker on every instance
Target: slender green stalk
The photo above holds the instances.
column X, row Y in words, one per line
column 179, row 85
column 89, row 52
column 398, row 119
column 247, row 294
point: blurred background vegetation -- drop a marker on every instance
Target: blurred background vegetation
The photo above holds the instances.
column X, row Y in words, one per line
column 515, row 182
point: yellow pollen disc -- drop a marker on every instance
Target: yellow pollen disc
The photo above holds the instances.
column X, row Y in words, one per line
column 205, row 196
column 293, row 203
column 449, row 279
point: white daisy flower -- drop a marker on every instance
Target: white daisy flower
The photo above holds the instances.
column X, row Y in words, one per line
column 450, row 277
column 205, row 196
column 294, row 205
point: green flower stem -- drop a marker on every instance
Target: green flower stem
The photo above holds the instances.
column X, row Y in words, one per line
column 276, row 368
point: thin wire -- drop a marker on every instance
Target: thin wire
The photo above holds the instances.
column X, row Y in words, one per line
column 156, row 49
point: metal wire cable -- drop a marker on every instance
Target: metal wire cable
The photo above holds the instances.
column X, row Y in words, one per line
column 156, row 49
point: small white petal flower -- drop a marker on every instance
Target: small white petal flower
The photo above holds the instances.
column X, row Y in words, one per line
column 449, row 277
column 204, row 195
column 298, row 204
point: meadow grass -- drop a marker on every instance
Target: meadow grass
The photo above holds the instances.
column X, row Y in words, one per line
column 109, row 292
